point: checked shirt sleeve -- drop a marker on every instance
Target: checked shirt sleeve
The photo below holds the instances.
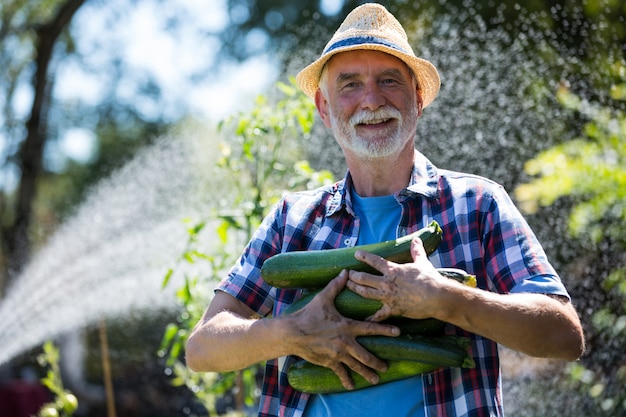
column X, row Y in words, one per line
column 514, row 258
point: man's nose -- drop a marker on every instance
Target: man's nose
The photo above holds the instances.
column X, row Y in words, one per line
column 373, row 97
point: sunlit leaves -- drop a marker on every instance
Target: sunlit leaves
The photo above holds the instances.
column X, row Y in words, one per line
column 618, row 92
column 64, row 403
column 304, row 176
column 265, row 144
column 591, row 169
column 616, row 281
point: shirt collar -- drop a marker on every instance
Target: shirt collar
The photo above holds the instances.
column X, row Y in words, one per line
column 424, row 181
column 424, row 178
column 341, row 198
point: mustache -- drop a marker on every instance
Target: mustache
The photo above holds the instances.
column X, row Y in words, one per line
column 378, row 115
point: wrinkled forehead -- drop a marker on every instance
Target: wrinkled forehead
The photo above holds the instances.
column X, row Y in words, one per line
column 361, row 62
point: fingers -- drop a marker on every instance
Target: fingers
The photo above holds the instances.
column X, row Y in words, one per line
column 372, row 328
column 344, row 376
column 382, row 314
column 366, row 372
column 345, row 356
column 375, row 261
column 360, row 283
column 362, row 362
column 352, row 359
column 335, row 286
column 342, row 371
column 417, row 248
column 364, row 278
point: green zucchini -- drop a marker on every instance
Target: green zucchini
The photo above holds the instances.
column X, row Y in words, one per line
column 406, row 356
column 416, row 327
column 315, row 379
column 314, row 269
column 446, row 351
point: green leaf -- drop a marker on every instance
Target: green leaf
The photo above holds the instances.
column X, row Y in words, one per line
column 287, row 90
column 167, row 277
column 168, row 335
column 198, row 228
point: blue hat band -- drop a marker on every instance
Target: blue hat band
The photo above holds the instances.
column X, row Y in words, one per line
column 360, row 40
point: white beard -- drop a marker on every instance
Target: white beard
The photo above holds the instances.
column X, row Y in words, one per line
column 388, row 142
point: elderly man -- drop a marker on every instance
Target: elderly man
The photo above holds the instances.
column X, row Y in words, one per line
column 370, row 89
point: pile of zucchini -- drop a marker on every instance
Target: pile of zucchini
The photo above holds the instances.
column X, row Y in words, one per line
column 419, row 349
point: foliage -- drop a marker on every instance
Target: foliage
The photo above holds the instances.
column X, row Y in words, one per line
column 591, row 168
column 260, row 163
column 193, row 296
column 65, row 403
column 591, row 171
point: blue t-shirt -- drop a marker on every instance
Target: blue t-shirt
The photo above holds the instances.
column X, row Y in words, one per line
column 379, row 218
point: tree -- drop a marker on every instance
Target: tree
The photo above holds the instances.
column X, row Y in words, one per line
column 46, row 33
column 36, row 39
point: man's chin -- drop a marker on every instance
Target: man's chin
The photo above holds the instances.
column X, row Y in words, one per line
column 373, row 153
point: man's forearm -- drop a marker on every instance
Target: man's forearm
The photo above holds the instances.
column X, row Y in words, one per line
column 228, row 342
column 534, row 324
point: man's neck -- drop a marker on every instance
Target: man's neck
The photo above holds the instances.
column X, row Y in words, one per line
column 384, row 176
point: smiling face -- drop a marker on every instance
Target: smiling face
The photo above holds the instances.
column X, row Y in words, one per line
column 371, row 102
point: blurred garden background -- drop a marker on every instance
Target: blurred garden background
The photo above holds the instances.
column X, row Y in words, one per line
column 142, row 141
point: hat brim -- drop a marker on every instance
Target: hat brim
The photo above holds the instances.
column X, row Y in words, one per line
column 425, row 72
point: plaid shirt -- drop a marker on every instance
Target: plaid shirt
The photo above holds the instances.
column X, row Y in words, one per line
column 483, row 233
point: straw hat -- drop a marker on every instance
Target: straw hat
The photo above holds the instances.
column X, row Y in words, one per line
column 371, row 26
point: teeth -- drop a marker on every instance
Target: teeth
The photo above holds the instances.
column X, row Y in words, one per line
column 375, row 121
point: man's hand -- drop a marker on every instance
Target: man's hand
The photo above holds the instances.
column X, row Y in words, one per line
column 324, row 337
column 408, row 290
column 532, row 323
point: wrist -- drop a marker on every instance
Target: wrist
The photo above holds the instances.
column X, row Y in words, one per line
column 283, row 334
column 453, row 302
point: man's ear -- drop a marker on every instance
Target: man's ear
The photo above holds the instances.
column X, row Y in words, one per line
column 420, row 102
column 322, row 107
